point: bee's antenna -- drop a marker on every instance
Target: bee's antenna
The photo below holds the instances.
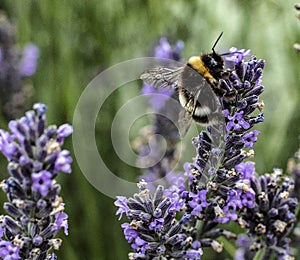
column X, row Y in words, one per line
column 213, row 48
column 230, row 53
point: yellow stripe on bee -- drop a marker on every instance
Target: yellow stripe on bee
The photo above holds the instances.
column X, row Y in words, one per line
column 199, row 66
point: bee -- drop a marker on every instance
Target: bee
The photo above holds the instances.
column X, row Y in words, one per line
column 197, row 87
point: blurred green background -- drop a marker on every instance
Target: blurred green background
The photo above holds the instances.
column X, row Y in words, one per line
column 78, row 39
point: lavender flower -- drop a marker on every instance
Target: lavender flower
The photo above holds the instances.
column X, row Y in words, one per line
column 220, row 186
column 250, row 138
column 34, row 208
column 161, row 124
column 153, row 230
column 14, row 66
column 236, row 122
column 216, row 191
column 216, row 170
column 271, row 218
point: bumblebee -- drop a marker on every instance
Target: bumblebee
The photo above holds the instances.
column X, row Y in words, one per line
column 197, row 87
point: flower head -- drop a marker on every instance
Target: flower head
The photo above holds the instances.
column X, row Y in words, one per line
column 35, row 158
column 272, row 216
column 153, row 230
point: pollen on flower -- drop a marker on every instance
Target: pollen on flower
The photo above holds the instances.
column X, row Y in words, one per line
column 243, row 186
column 18, row 241
column 280, row 226
column 217, row 246
column 250, row 153
column 135, row 224
column 212, row 185
column 261, row 105
column 277, row 172
column 242, row 222
column 3, row 185
column 58, row 206
column 52, row 146
column 195, row 172
column 142, row 184
column 260, row 228
column 34, row 253
column 19, row 203
column 219, row 212
column 256, row 245
column 284, row 194
column 232, row 173
column 55, row 243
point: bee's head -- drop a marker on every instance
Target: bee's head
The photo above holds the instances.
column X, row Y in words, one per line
column 213, row 61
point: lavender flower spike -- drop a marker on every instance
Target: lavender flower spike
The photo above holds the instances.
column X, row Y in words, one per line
column 161, row 125
column 35, row 210
column 153, row 231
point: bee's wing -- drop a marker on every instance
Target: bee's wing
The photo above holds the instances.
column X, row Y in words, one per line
column 162, row 77
column 184, row 122
column 193, row 81
column 199, row 89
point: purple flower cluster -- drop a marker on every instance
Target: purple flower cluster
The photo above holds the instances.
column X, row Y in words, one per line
column 153, row 230
column 15, row 65
column 219, row 186
column 35, row 210
column 233, row 191
column 271, row 218
column 218, row 169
